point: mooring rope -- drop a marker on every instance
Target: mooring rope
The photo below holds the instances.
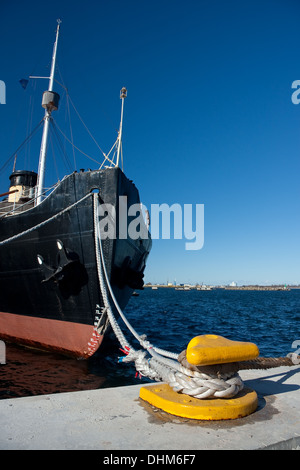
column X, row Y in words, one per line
column 221, row 381
column 200, row 382
column 269, row 362
column 161, row 365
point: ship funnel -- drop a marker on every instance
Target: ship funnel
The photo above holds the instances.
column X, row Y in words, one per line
column 22, row 184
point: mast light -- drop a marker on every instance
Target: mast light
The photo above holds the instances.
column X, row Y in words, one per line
column 123, row 93
column 50, row 100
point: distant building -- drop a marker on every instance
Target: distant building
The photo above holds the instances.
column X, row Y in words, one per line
column 233, row 284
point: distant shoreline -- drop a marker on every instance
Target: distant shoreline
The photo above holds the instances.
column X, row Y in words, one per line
column 205, row 288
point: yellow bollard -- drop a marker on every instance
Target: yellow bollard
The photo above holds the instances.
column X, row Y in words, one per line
column 213, row 349
column 207, row 350
column 163, row 397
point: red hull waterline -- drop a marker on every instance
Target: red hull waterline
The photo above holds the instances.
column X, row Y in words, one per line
column 68, row 338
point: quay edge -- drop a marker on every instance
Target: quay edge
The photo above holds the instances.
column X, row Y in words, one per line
column 101, row 420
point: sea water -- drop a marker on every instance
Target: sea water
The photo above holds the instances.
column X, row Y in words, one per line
column 170, row 319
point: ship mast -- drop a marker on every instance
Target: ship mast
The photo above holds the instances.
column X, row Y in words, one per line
column 50, row 103
column 123, row 94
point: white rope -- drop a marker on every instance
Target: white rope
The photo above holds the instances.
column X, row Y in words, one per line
column 162, row 365
column 26, row 232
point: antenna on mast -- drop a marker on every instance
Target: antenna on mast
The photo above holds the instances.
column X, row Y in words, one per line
column 123, row 94
column 50, row 103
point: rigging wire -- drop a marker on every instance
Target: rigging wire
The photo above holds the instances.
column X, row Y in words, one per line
column 54, row 159
column 60, row 145
column 56, row 128
column 29, row 123
column 90, row 134
column 21, row 145
column 69, row 100
column 68, row 113
column 87, row 129
column 79, row 150
column 71, row 131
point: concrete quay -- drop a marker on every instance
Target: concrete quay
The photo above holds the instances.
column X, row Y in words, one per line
column 116, row 419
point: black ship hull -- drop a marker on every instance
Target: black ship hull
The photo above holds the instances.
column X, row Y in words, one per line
column 49, row 286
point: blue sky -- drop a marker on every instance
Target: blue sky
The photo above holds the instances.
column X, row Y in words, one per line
column 208, row 118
